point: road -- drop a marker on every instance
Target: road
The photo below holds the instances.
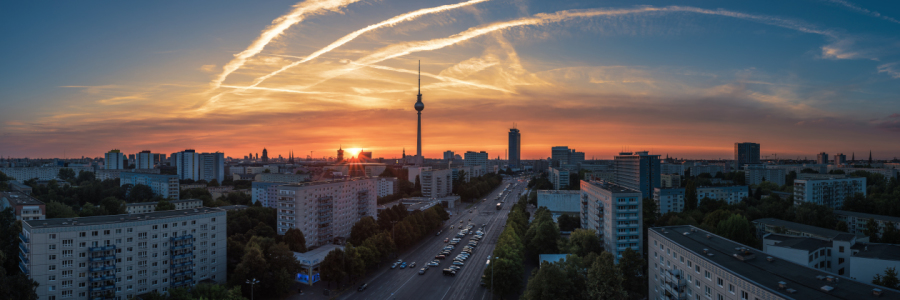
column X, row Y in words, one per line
column 406, row 283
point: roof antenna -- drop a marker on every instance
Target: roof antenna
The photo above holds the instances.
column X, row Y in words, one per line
column 420, row 77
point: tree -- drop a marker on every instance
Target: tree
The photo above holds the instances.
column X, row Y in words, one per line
column 66, row 174
column 59, row 210
column 295, row 240
column 418, row 186
column 841, row 226
column 213, row 183
column 738, row 229
column 549, row 282
column 140, row 193
column 332, row 267
column 353, row 262
column 568, row 223
column 164, row 205
column 113, row 206
column 584, row 241
column 633, row 266
column 363, row 229
column 650, row 211
column 889, row 280
column 890, row 235
column 712, row 220
column 605, row 280
column 690, row 196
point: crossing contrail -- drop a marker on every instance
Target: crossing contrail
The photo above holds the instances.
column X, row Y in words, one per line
column 301, row 10
column 386, row 23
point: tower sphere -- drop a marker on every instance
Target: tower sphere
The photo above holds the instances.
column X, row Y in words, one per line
column 420, row 106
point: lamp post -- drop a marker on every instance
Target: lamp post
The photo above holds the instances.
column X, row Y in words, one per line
column 252, row 282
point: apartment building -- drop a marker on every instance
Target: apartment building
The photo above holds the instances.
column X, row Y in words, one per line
column 560, row 178
column 436, row 183
column 24, row 206
column 843, row 254
column 856, row 222
column 327, row 209
column 668, row 200
column 148, row 207
column 388, row 186
column 670, row 180
column 265, row 193
column 21, row 174
column 560, row 202
column 685, row 262
column 162, row 185
column 771, row 225
column 830, row 192
column 638, row 171
column 729, row 194
column 756, row 174
column 615, row 213
column 122, row 256
column 114, row 160
column 282, row 178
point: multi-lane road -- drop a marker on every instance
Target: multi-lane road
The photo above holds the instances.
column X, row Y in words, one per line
column 398, row 283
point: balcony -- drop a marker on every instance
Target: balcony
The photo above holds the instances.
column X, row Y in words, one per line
column 102, row 278
column 183, row 282
column 184, row 273
column 183, row 237
column 102, row 288
column 104, row 248
column 102, row 258
column 102, row 268
column 184, row 264
column 23, row 267
column 23, row 258
column 180, row 256
column 23, row 248
column 23, row 238
column 174, row 248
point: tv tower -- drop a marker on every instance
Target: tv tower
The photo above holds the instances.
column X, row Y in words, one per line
column 419, row 107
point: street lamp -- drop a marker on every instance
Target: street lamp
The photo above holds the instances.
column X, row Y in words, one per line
column 251, row 282
column 492, row 275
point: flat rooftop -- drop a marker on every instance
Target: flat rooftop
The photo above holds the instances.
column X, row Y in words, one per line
column 323, row 182
column 112, row 219
column 767, row 274
column 612, row 187
column 19, row 198
column 867, row 216
column 171, row 201
column 315, row 256
column 819, row 231
column 877, row 251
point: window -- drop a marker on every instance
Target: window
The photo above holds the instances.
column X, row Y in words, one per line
column 707, row 275
column 51, row 247
column 720, row 281
column 82, row 244
column 720, row 297
column 841, row 249
column 731, row 288
column 697, row 269
column 118, row 231
column 67, row 264
column 52, row 257
column 840, row 260
column 82, row 234
column 51, row 278
column 708, row 291
column 841, row 271
column 51, row 268
column 95, row 233
column 744, row 295
column 67, row 243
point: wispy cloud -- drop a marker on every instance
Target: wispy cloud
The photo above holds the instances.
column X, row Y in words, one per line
column 892, row 69
column 861, row 10
column 208, row 68
column 301, row 11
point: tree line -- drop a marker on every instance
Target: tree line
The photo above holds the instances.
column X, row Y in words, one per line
column 371, row 242
column 476, row 187
column 255, row 250
column 504, row 273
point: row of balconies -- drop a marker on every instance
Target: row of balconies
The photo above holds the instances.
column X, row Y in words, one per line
column 100, row 288
column 184, row 246
column 23, row 237
column 179, row 265
column 102, row 258
column 101, row 278
column 183, row 237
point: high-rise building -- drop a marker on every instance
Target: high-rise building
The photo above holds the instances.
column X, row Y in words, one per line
column 187, row 163
column 122, row 256
column 563, row 157
column 325, row 210
column 144, row 160
column 822, row 158
column 473, row 158
column 668, row 200
column 340, row 154
column 448, row 155
column 212, row 166
column 436, row 183
column 114, row 160
column 840, row 159
column 686, row 262
column 639, row 171
column 515, row 148
column 745, row 153
column 265, row 157
column 165, row 186
column 560, row 178
column 615, row 213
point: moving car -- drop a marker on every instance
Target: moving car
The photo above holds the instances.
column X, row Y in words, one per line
column 433, row 264
column 394, row 266
column 412, row 265
column 422, row 271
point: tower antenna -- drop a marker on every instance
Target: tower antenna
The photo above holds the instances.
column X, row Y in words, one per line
column 420, row 77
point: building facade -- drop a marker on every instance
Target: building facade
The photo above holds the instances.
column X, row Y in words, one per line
column 515, row 148
column 24, row 206
column 187, row 163
column 830, row 192
column 668, row 200
column 756, row 174
column 265, row 193
column 325, row 210
column 856, row 222
column 165, row 186
column 114, row 160
column 212, row 166
column 822, row 158
column 21, row 174
column 560, row 178
column 730, row 194
column 685, row 262
column 843, row 255
column 560, row 202
column 615, row 213
column 387, row 186
column 122, row 256
column 436, row 183
column 282, row 178
column 745, row 154
column 144, row 160
column 149, row 207
column 473, row 158
column 638, row 171
column 670, row 180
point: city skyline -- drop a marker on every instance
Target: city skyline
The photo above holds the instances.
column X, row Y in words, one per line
column 801, row 79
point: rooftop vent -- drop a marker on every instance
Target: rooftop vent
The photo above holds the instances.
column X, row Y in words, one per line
column 705, row 251
column 831, row 278
column 826, row 288
column 770, row 259
column 686, row 233
column 709, row 254
column 744, row 256
column 792, row 291
column 782, row 284
column 876, row 292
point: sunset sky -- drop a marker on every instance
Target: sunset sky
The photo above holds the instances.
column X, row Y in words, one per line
column 683, row 78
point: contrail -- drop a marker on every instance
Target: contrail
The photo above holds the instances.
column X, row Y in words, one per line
column 858, row 9
column 301, row 10
column 402, row 49
column 443, row 78
column 386, row 23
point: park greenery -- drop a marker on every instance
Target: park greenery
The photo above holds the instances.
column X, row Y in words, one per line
column 476, row 187
column 256, row 251
column 371, row 242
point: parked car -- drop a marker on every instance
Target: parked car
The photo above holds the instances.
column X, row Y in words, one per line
column 412, row 265
column 458, row 263
column 438, row 257
column 446, row 240
column 403, row 266
column 438, row 233
column 422, row 271
column 363, row 287
column 433, row 264
column 394, row 266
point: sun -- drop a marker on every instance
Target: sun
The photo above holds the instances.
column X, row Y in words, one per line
column 351, row 152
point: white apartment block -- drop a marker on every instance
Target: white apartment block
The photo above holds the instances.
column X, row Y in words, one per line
column 162, row 185
column 668, row 200
column 212, row 166
column 327, row 209
column 148, row 207
column 187, row 163
column 670, row 180
column 673, row 169
column 122, row 256
column 830, row 192
column 615, row 213
column 729, row 194
column 282, row 178
column 560, row 178
column 386, row 186
column 24, row 206
column 685, row 262
column 843, row 255
column 265, row 193
column 21, row 174
column 144, row 160
column 114, row 160
column 709, row 169
column 436, row 183
column 856, row 221
column 473, row 158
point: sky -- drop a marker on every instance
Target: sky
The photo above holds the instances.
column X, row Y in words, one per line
column 685, row 79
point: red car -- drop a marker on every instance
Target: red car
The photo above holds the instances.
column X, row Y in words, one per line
column 446, row 240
